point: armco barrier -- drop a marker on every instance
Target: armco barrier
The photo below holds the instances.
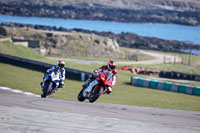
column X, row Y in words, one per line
column 134, row 81
column 179, row 75
column 153, row 84
column 182, row 88
column 167, row 86
column 189, row 90
column 42, row 67
column 174, row 88
column 140, row 82
column 146, row 83
column 196, row 91
column 160, row 86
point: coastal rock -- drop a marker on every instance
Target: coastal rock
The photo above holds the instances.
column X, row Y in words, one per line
column 143, row 11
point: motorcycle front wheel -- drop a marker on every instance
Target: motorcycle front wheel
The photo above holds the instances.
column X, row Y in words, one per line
column 46, row 90
column 80, row 97
column 95, row 94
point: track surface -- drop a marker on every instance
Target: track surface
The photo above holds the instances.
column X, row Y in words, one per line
column 158, row 58
column 20, row 113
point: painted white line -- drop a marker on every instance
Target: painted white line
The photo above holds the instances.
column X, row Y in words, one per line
column 19, row 91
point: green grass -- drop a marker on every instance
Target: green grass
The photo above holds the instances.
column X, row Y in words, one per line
column 141, row 57
column 185, row 57
column 184, row 67
column 123, row 92
column 18, row 50
column 191, row 68
column 172, row 67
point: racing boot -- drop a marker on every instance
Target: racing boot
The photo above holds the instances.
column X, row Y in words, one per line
column 62, row 84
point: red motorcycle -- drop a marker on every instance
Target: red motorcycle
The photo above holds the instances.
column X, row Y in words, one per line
column 98, row 86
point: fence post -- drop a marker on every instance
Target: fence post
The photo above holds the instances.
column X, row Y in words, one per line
column 174, row 59
column 164, row 59
column 82, row 77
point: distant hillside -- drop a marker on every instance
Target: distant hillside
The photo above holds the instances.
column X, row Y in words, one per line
column 108, row 40
column 155, row 11
column 72, row 43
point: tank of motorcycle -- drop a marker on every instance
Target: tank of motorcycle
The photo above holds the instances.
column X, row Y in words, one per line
column 106, row 80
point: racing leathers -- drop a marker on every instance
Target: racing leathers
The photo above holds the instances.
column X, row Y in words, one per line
column 96, row 74
column 62, row 70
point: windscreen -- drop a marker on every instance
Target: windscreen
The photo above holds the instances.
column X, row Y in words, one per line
column 108, row 75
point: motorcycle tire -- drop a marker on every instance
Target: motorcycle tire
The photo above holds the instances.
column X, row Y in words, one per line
column 46, row 90
column 95, row 95
column 80, row 97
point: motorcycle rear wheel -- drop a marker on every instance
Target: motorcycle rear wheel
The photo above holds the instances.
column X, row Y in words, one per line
column 80, row 96
column 46, row 90
column 95, row 95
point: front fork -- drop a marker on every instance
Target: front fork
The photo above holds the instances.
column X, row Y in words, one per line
column 44, row 80
column 89, row 88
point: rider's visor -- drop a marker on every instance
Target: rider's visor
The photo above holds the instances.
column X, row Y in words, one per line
column 61, row 65
column 112, row 67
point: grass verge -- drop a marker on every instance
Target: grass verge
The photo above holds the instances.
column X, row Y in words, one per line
column 123, row 92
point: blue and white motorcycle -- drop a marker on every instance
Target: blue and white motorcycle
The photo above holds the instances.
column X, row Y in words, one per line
column 51, row 82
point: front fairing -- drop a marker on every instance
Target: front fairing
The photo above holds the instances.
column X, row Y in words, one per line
column 103, row 81
column 54, row 77
column 90, row 87
column 106, row 78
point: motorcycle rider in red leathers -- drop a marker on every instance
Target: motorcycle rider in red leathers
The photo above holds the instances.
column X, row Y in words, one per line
column 110, row 67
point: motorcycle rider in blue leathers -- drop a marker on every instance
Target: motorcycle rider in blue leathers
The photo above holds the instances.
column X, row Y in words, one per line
column 60, row 65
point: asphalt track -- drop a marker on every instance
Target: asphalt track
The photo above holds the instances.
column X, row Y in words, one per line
column 20, row 113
